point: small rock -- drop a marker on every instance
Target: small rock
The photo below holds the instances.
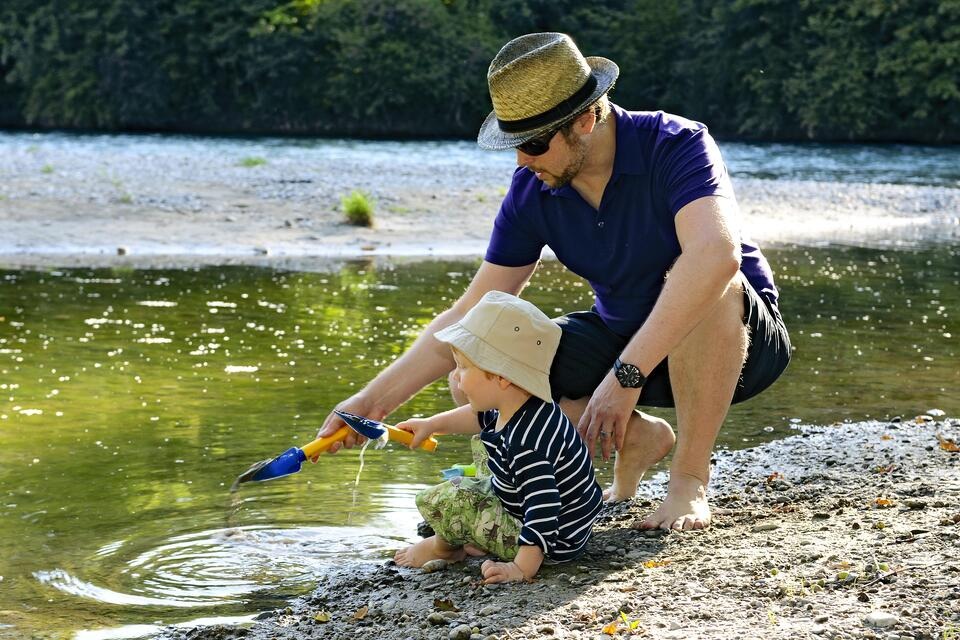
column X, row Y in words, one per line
column 122, row 251
column 437, row 619
column 880, row 619
column 460, row 632
column 434, row 565
column 489, row 611
column 674, row 625
column 821, row 619
column 765, row 526
column 818, row 630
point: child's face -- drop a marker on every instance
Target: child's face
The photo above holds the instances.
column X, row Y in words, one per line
column 481, row 388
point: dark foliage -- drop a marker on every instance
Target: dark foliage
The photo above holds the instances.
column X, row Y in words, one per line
column 770, row 69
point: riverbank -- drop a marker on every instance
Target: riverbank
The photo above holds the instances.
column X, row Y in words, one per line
column 844, row 531
column 160, row 202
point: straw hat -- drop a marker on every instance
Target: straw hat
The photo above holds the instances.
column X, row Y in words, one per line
column 538, row 81
column 510, row 337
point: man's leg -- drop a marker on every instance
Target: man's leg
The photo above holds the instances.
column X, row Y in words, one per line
column 646, row 441
column 704, row 370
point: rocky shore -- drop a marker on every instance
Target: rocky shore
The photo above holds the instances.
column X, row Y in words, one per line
column 167, row 201
column 846, row 531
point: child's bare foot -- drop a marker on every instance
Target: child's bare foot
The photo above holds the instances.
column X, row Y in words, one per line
column 474, row 551
column 432, row 548
column 647, row 441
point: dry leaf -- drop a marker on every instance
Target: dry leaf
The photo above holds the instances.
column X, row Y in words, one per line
column 883, row 503
column 444, row 605
column 886, row 436
column 611, row 629
column 776, row 475
column 948, row 445
column 653, row 564
column 322, row 616
column 628, row 589
column 360, row 614
column 885, row 469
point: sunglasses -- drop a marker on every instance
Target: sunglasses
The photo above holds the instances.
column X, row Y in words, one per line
column 539, row 145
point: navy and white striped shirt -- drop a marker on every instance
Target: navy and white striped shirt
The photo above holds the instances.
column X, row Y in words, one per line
column 544, row 477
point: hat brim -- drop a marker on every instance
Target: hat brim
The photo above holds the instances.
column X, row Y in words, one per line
column 493, row 138
column 491, row 359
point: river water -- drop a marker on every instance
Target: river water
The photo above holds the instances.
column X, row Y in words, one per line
column 131, row 399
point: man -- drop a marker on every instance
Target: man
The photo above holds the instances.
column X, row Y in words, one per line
column 639, row 204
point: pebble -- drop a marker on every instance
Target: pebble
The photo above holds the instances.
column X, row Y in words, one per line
column 434, row 565
column 460, row 632
column 821, row 619
column 880, row 619
column 765, row 526
column 437, row 619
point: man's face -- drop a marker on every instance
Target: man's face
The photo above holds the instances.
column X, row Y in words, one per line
column 562, row 161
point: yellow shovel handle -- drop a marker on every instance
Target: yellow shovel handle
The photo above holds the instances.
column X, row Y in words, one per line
column 399, row 435
column 318, row 446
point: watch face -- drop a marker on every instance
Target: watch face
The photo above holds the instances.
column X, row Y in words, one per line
column 629, row 376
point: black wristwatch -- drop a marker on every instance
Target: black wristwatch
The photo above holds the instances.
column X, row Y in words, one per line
column 628, row 375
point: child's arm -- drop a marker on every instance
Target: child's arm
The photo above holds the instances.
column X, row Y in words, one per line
column 523, row 567
column 460, row 420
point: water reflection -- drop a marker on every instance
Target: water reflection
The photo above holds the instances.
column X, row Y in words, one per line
column 130, row 400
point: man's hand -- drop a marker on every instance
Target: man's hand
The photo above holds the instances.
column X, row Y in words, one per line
column 421, row 428
column 607, row 415
column 494, row 572
column 356, row 405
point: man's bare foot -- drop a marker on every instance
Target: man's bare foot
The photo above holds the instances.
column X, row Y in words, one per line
column 432, row 548
column 647, row 441
column 684, row 508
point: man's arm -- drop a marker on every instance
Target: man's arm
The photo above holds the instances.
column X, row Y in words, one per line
column 709, row 259
column 427, row 359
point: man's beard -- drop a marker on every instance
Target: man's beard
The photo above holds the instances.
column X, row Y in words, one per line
column 579, row 149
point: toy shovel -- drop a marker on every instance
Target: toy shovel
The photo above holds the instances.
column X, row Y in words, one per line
column 293, row 458
column 289, row 461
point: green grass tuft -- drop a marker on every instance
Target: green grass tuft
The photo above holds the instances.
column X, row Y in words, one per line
column 47, row 168
column 358, row 208
column 252, row 161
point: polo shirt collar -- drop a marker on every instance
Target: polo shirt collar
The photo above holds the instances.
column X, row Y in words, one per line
column 623, row 160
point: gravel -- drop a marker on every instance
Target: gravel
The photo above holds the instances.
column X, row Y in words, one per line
column 850, row 558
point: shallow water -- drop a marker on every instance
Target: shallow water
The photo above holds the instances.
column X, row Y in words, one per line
column 132, row 399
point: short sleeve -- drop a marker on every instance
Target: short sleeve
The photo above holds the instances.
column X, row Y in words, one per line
column 515, row 241
column 689, row 166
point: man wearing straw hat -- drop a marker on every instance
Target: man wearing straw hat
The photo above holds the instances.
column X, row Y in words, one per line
column 641, row 205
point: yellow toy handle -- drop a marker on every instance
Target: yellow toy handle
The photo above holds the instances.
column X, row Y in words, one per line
column 399, row 435
column 318, row 446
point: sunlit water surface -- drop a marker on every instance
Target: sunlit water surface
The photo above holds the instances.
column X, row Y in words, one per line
column 130, row 400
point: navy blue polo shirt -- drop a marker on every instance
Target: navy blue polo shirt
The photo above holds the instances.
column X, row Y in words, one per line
column 623, row 249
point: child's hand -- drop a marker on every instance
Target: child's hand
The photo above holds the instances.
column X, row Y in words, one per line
column 421, row 428
column 494, row 572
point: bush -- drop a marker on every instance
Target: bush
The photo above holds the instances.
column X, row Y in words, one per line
column 358, row 209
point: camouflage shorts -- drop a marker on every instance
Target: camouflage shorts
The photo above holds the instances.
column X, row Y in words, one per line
column 467, row 511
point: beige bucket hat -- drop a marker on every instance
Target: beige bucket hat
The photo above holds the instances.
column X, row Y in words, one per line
column 510, row 337
column 537, row 82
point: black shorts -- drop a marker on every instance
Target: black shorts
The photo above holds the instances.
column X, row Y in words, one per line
column 588, row 348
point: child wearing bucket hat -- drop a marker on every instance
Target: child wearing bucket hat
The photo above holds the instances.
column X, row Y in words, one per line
column 541, row 497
